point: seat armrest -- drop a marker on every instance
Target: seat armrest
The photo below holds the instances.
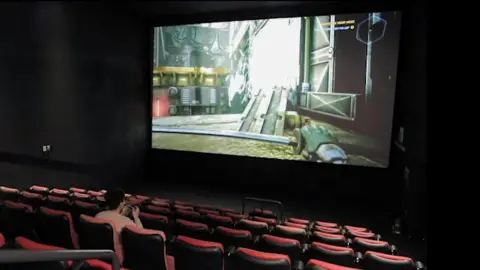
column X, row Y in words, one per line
column 378, row 236
column 305, row 247
column 420, row 265
column 230, row 250
column 256, row 239
column 349, row 242
column 172, row 239
column 358, row 257
column 393, row 249
column 298, row 265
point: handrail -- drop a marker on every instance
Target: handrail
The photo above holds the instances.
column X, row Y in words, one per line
column 262, row 202
column 25, row 256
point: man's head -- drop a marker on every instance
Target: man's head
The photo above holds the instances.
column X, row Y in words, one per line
column 115, row 199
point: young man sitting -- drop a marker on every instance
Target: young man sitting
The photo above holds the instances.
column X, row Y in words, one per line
column 118, row 211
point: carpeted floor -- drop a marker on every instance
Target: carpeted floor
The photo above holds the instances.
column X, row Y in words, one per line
column 294, row 207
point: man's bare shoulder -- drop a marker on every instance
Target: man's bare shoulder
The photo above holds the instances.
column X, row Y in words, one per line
column 114, row 217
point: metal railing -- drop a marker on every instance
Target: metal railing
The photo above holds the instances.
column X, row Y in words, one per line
column 262, row 203
column 28, row 256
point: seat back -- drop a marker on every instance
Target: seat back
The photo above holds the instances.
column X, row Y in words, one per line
column 25, row 243
column 192, row 229
column 141, row 246
column 188, row 215
column 77, row 189
column 9, row 194
column 157, row 210
column 290, row 232
column 193, row 254
column 205, row 212
column 355, row 228
column 235, row 217
column 77, row 196
column 250, row 259
column 17, row 219
column 161, row 203
column 365, row 235
column 328, row 230
column 280, row 245
column 375, row 260
column 155, row 222
column 363, row 245
column 326, row 224
column 233, row 237
column 96, row 233
column 299, row 221
column 60, row 192
column 214, row 221
column 84, row 208
column 33, row 199
column 269, row 221
column 328, row 238
column 39, row 190
column 55, row 228
column 321, row 265
column 58, row 203
column 255, row 227
column 263, row 213
column 295, row 225
column 333, row 254
column 183, row 207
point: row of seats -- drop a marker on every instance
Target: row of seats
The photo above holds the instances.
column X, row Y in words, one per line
column 260, row 231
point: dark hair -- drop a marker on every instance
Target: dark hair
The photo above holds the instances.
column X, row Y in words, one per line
column 114, row 197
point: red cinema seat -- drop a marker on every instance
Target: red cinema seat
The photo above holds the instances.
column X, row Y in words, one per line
column 160, row 203
column 155, row 222
column 183, row 207
column 328, row 238
column 205, row 212
column 157, row 210
column 39, row 190
column 196, row 254
column 326, row 224
column 375, row 260
column 9, row 194
column 60, row 192
column 296, row 225
column 33, row 199
column 224, row 211
column 58, row 203
column 234, row 216
column 25, row 243
column 233, row 237
column 328, row 230
column 214, row 221
column 299, row 221
column 280, row 245
column 250, row 259
column 136, row 201
column 354, row 228
column 192, row 229
column 84, row 208
column 204, row 206
column 333, row 254
column 367, row 235
column 321, row 265
column 96, row 233
column 255, row 227
column 263, row 213
column 55, row 228
column 290, row 232
column 188, row 215
column 82, row 197
column 269, row 221
column 141, row 197
column 76, row 189
column 363, row 245
column 182, row 203
column 17, row 219
column 95, row 193
column 3, row 242
column 143, row 245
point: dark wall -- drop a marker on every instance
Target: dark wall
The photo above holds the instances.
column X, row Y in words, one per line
column 366, row 189
column 72, row 75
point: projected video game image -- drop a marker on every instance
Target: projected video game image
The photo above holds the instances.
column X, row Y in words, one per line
column 318, row 89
